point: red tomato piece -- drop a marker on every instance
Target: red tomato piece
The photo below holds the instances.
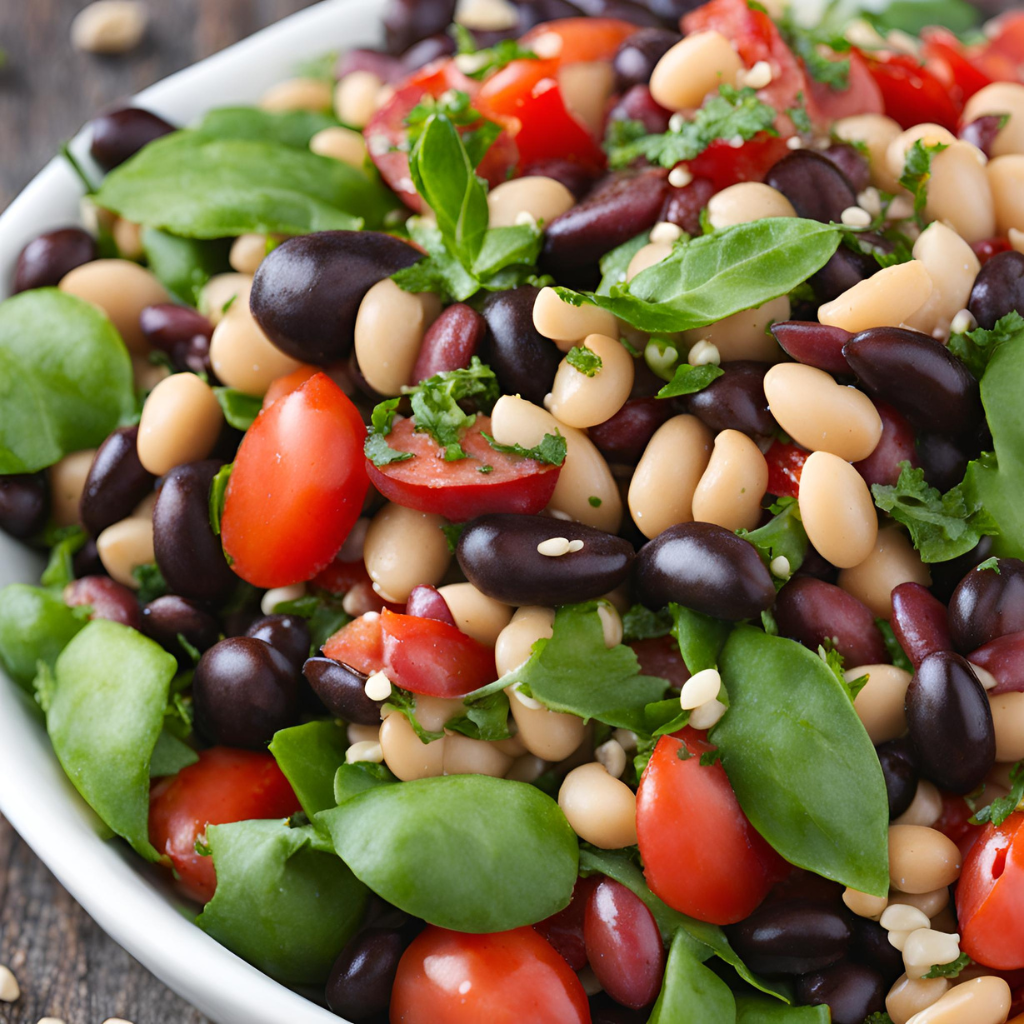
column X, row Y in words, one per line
column 955, row 824
column 700, row 854
column 726, row 166
column 911, row 93
column 862, row 95
column 945, row 57
column 510, row 977
column 340, row 577
column 430, row 657
column 359, row 643
column 224, row 785
column 785, row 464
column 297, row 487
column 990, row 896
column 583, row 39
column 288, row 383
column 458, row 490
column 564, row 930
column 1002, row 57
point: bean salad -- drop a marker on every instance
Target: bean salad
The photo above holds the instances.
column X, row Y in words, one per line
column 535, row 513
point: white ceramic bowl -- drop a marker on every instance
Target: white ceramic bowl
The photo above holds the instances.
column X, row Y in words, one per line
column 134, row 905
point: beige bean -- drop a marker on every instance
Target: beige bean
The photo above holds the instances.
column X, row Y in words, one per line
column 1008, row 719
column 585, row 87
column 892, row 561
column 405, row 754
column 1005, row 98
column 342, row 144
column 1006, row 178
column 601, row 809
column 745, row 335
column 926, row 807
column 668, row 473
column 476, row 614
column 879, row 705
column 433, row 713
column 580, row 400
column 959, row 192
column 526, row 768
column 886, row 299
column 745, row 202
column 67, row 481
column 864, row 904
column 552, row 735
column 567, row 325
column 837, row 510
column 180, row 422
column 534, row 196
column 247, row 252
column 952, row 266
column 312, row 94
column 927, row 132
column 978, row 1001
column 514, row 643
column 929, row 903
column 611, row 623
column 876, row 132
column 242, row 356
column 147, row 375
column 355, row 98
column 692, row 68
column 925, row 947
column 125, row 546
column 404, row 548
column 909, row 996
column 465, row 756
column 121, row 289
column 128, row 239
column 731, row 488
column 921, row 859
column 221, row 293
column 389, row 331
column 647, row 256
column 109, row 26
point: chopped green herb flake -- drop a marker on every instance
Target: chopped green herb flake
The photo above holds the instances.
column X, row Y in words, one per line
column 218, row 490
column 952, row 969
column 551, row 449
column 989, row 565
column 999, row 810
column 485, row 62
column 976, row 347
column 594, row 501
column 808, row 44
column 452, row 532
column 583, row 359
column 917, row 171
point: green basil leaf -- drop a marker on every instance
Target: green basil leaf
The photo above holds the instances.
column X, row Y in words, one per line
column 218, row 492
column 504, row 247
column 240, row 409
column 440, row 271
column 755, row 1010
column 170, row 755
column 691, row 991
column 700, row 637
column 35, row 626
column 280, row 903
column 640, row 623
column 309, row 756
column 783, row 536
column 352, row 779
column 104, row 719
column 802, row 765
column 465, row 852
column 614, row 264
column 60, row 570
column 380, row 453
column 65, row 379
column 688, row 380
column 184, row 265
column 323, row 614
column 292, row 128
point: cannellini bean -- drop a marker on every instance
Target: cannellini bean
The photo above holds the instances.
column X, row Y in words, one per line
column 745, row 335
column 128, row 239
column 514, row 643
column 1008, row 720
column 879, row 705
column 109, row 26
column 978, row 1001
column 745, row 202
column 355, row 98
column 909, row 996
column 952, row 266
column 921, row 859
column 1005, row 98
column 476, row 614
column 67, row 482
column 180, row 422
column 959, row 192
column 279, row 595
column 247, row 252
column 405, row 754
column 864, row 904
column 730, row 490
column 929, row 903
column 465, row 756
column 298, row 94
column 926, row 807
column 551, row 735
column 892, row 561
column 692, row 68
column 242, row 356
column 342, row 144
column 876, row 132
column 928, row 133
column 542, row 199
column 1006, row 178
column 886, row 299
column 404, row 548
column 221, row 293
column 125, row 546
column 601, row 809
column 647, row 256
column 582, row 401
column 567, row 325
column 10, row 991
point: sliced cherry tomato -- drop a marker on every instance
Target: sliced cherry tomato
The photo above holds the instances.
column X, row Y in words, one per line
column 1002, row 58
column 990, row 896
column 861, row 96
column 725, row 165
column 583, row 39
column 503, row 978
column 989, row 247
column 700, row 854
column 224, row 785
column 359, row 643
column 297, row 487
column 564, row 930
column 911, row 93
column 459, row 490
column 785, row 464
column 430, row 657
column 288, row 383
column 954, row 822
column 945, row 57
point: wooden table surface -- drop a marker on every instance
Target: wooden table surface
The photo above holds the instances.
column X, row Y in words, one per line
column 66, row 965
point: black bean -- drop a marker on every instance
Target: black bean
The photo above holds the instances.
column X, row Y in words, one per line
column 735, row 401
column 188, row 552
column 851, row 992
column 116, row 482
column 987, row 604
column 492, row 545
column 288, row 634
column 637, row 104
column 244, row 691
column 844, row 269
column 359, row 985
column 899, row 768
column 604, row 1010
column 168, row 617
column 426, row 51
column 408, row 21
column 943, row 459
column 950, row 723
column 947, row 575
column 576, row 178
column 386, row 67
column 122, row 133
column 307, row 291
column 851, row 162
column 107, row 598
column 794, row 937
column 623, row 10
column 624, row 436
column 340, row 689
column 182, row 333
column 86, row 561
column 815, row 186
column 704, row 567
column 639, row 53
column 46, row 259
column 24, row 504
column 871, row 946
column 982, row 132
column 998, row 289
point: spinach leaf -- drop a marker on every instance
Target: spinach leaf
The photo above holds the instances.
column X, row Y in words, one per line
column 65, row 379
column 465, row 852
column 240, row 409
column 688, row 380
column 976, row 347
column 288, row 127
column 352, row 779
column 170, row 755
column 691, row 991
column 783, row 535
column 309, row 756
column 104, row 719
column 323, row 614
column 184, row 265
column 803, row 768
column 281, row 903
column 35, row 626
column 60, row 570
column 700, row 637
column 755, row 1010
column 614, row 264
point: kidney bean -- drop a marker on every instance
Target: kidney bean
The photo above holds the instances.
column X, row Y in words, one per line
column 108, row 599
column 576, row 178
column 896, row 445
column 188, row 552
column 450, row 342
column 870, row 945
column 46, row 259
column 426, row 603
column 340, row 689
column 639, row 53
column 816, row 565
column 624, row 436
column 735, row 401
column 24, row 504
column 86, row 561
column 288, row 634
column 815, row 186
column 917, row 375
column 982, row 132
column 182, row 333
column 851, row 992
column 360, row 982
column 852, row 164
column 844, row 269
column 116, row 482
column 814, row 344
column 408, row 21
column 622, row 10
column 998, row 289
column 637, row 104
column 659, row 656
column 122, row 133
column 919, row 622
column 899, row 767
column 491, row 545
column 987, row 604
column 623, row 945
column 946, row 575
column 564, row 930
column 168, row 617
column 1004, row 659
column 683, row 205
column 385, row 66
column 426, row 51
column 950, row 723
column 704, row 567
column 795, row 937
column 943, row 459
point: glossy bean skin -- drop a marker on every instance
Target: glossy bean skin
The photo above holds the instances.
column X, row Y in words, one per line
column 987, row 604
column 188, row 552
column 896, row 445
column 424, row 52
column 814, row 344
column 576, row 178
column 917, row 375
column 108, row 599
column 386, row 67
column 998, row 289
column 407, row 21
column 735, row 401
column 86, row 561
column 604, row 1010
column 946, row 576
column 704, row 567
column 360, row 982
column 288, row 634
column 852, row 992
column 792, row 937
column 492, row 544
column 871, row 945
column 639, row 53
column 307, row 291
column 167, row 617
column 844, row 269
column 24, row 504
column 340, row 689
column 122, row 133
column 683, row 205
column 815, row 186
column 637, row 104
column 183, row 333
column 426, row 603
column 950, row 723
column 450, row 341
column 116, row 482
column 1004, row 659
column 624, row 436
column 943, row 459
column 919, row 621
column 46, row 259
column 982, row 132
column 899, row 768
column 851, row 162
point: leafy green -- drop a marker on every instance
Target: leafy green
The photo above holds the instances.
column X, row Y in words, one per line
column 989, row 565
column 292, row 128
column 240, row 409
column 150, row 580
column 976, row 347
column 583, row 359
column 485, row 719
column 403, row 702
column 834, row 660
column 218, row 492
column 917, row 172
column 35, row 626
column 59, row 571
column 170, row 755
column 375, row 448
column 782, row 535
column 896, row 653
column 486, row 61
column 614, row 264
column 700, row 637
column 353, row 779
column 551, row 450
column 911, row 16
column 952, row 969
column 806, row 43
column 755, row 1010
column 452, row 532
column 877, row 1018
column 999, row 810
column 184, row 265
column 690, row 990
column 323, row 613
column 309, row 756
column 640, row 623
column 690, row 379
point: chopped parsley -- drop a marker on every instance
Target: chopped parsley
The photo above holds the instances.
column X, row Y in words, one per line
column 218, row 490
column 375, row 448
column 975, row 347
column 917, row 171
column 485, row 61
column 999, row 810
column 950, row 970
column 594, row 501
column 551, row 449
column 990, row 564
column 808, row 43
column 581, row 358
column 640, row 623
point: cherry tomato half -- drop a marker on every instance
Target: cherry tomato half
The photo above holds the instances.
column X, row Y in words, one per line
column 503, row 978
column 725, row 165
column 297, row 487
column 359, row 643
column 785, row 464
column 224, row 785
column 861, row 96
column 911, row 93
column 945, row 57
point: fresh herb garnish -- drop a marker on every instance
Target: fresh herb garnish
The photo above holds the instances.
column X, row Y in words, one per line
column 151, row 582
column 834, row 660
column 240, row 409
column 897, row 655
column 482, row 62
column 690, row 379
column 950, row 970
column 484, row 719
column 999, row 810
column 581, row 358
column 66, row 542
column 917, row 171
column 807, row 43
column 782, row 536
column 323, row 613
column 452, row 532
column 989, row 565
column 640, row 623
column 375, row 448
column 551, row 449
column 218, row 490
column 976, row 347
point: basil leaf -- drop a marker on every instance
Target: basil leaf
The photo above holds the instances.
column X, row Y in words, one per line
column 35, row 626
column 323, row 614
column 440, row 271
column 404, row 703
column 170, row 755
column 691, row 991
column 783, row 535
column 218, row 493
column 975, row 347
column 281, row 903
column 184, row 265
column 60, row 570
column 465, row 852
column 240, row 409
column 309, row 756
column 700, row 637
column 352, row 779
column 105, row 716
column 65, row 379
column 614, row 264
column 807, row 42
column 690, row 379
column 506, row 247
column 288, row 127
column 755, row 1010
column 803, row 768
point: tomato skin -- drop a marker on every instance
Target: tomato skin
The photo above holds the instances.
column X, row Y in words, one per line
column 989, row 247
column 785, row 464
column 726, row 166
column 458, row 490
column 513, row 977
column 359, row 643
column 297, row 487
column 583, row 39
column 990, row 896
column 564, row 930
column 224, row 785
column 430, row 657
column 288, row 383
column 945, row 57
column 911, row 93
column 701, row 855
column 862, row 96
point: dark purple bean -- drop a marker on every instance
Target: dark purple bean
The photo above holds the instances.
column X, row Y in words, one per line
column 639, row 53
column 998, row 289
column 919, row 621
column 288, row 634
column 704, row 567
column 46, row 259
column 947, row 575
column 637, row 104
column 896, row 445
column 24, row 504
column 577, row 179
column 735, row 401
column 623, row 10
column 387, row 68
column 814, row 612
column 794, row 937
column 182, row 333
column 451, row 341
column 982, row 132
column 870, row 945
column 523, row 360
column 168, row 617
column 360, row 982
column 814, row 344
column 851, row 162
column 426, row 603
column 683, row 206
column 816, row 187
column 899, row 768
column 408, row 21
column 624, row 436
column 844, row 269
column 604, row 1010
column 987, row 604
column 307, row 291
column 533, row 12
column 426, row 51
column 188, row 552
column 1004, row 659
column 491, row 545
column 116, row 482
column 341, row 690
column 122, row 133
column 817, row 566
column 107, row 598
column 86, row 560
column 943, row 459
column 852, row 992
